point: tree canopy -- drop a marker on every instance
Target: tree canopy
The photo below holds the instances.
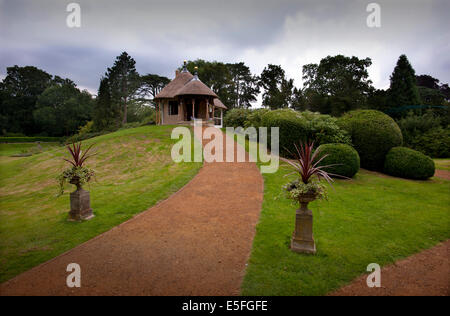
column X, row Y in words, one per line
column 342, row 83
column 403, row 89
column 124, row 82
column 277, row 88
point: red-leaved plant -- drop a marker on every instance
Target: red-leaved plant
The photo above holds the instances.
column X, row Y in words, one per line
column 306, row 166
column 77, row 174
column 77, row 155
column 306, row 163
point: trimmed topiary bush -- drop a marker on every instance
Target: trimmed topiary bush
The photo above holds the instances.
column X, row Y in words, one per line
column 344, row 156
column 373, row 134
column 408, row 163
column 302, row 126
column 235, row 118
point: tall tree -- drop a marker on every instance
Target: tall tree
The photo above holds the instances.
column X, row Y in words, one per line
column 20, row 90
column 106, row 113
column 216, row 76
column 427, row 81
column 403, row 90
column 298, row 100
column 62, row 108
column 150, row 86
column 342, row 81
column 124, row 82
column 277, row 88
column 244, row 85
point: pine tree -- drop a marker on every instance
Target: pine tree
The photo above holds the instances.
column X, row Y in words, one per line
column 403, row 90
column 105, row 113
column 124, row 82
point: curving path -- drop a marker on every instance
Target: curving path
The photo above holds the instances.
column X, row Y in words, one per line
column 197, row 242
column 424, row 274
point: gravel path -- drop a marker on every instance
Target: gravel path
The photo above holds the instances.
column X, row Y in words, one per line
column 424, row 274
column 197, row 242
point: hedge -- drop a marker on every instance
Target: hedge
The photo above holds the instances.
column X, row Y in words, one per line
column 408, row 163
column 434, row 143
column 254, row 118
column 235, row 118
column 373, row 134
column 344, row 157
column 295, row 127
column 29, row 139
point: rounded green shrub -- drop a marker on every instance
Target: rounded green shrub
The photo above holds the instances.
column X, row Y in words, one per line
column 295, row 127
column 408, row 163
column 344, row 157
column 373, row 134
column 235, row 118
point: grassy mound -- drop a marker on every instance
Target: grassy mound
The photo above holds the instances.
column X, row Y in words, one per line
column 134, row 171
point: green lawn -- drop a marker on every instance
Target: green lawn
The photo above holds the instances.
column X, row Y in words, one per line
column 442, row 164
column 372, row 218
column 134, row 171
column 21, row 148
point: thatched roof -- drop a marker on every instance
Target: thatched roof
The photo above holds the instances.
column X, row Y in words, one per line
column 219, row 104
column 170, row 91
column 185, row 84
column 196, row 87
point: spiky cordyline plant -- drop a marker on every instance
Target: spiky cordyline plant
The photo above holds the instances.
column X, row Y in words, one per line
column 305, row 163
column 77, row 155
column 77, row 174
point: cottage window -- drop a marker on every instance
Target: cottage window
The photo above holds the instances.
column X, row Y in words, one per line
column 173, row 108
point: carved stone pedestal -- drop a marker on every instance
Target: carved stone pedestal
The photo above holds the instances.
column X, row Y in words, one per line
column 80, row 205
column 302, row 238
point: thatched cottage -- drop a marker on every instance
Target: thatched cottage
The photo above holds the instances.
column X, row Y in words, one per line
column 186, row 99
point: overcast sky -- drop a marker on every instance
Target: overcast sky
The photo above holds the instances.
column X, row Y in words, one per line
column 160, row 34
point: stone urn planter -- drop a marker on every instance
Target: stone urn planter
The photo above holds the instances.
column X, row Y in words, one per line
column 302, row 239
column 80, row 203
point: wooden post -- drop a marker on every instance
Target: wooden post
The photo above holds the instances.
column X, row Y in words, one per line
column 207, row 110
column 221, row 117
column 193, row 109
column 157, row 112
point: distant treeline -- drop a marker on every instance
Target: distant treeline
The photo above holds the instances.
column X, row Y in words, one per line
column 34, row 102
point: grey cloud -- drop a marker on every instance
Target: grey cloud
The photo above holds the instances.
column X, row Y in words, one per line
column 160, row 34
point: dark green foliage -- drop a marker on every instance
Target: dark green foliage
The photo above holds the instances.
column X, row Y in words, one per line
column 403, row 90
column 407, row 163
column 62, row 108
column 425, row 133
column 29, row 139
column 236, row 118
column 344, row 157
column 124, row 81
column 434, row 143
column 413, row 126
column 277, row 88
column 295, row 127
column 151, row 85
column 106, row 113
column 341, row 82
column 254, row 118
column 373, row 134
column 377, row 100
column 233, row 83
column 245, row 86
column 19, row 92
